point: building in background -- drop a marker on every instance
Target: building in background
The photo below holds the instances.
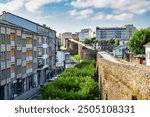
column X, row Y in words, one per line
column 118, row 51
column 85, row 34
column 125, row 32
column 66, row 35
column 75, row 37
column 28, row 55
column 105, row 46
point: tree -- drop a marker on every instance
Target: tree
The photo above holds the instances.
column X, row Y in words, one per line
column 93, row 40
column 111, row 41
column 138, row 40
column 78, row 83
column 116, row 43
column 87, row 41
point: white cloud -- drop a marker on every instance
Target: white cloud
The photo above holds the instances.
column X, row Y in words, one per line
column 121, row 9
column 12, row 5
column 82, row 14
column 35, row 5
column 123, row 16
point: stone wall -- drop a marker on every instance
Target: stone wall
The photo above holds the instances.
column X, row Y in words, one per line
column 87, row 54
column 75, row 48
column 121, row 81
column 71, row 47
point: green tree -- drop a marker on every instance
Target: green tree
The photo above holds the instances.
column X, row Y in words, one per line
column 78, row 83
column 116, row 43
column 111, row 41
column 93, row 40
column 87, row 41
column 138, row 40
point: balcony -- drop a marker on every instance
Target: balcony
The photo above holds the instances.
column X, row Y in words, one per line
column 12, row 59
column 35, row 49
column 29, row 46
column 24, row 63
column 24, row 49
column 24, row 75
column 29, row 71
column 2, row 47
column 12, row 43
column 35, row 60
column 3, row 65
column 18, row 61
column 8, row 47
column 19, row 47
column 29, row 58
column 19, row 75
column 8, row 64
column 13, row 75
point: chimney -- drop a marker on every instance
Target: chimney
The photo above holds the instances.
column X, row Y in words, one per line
column 4, row 15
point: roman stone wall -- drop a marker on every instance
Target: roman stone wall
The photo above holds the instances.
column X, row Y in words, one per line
column 123, row 81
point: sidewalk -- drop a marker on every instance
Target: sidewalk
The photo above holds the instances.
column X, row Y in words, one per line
column 28, row 94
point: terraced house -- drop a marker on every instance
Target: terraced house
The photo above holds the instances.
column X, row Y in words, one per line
column 27, row 55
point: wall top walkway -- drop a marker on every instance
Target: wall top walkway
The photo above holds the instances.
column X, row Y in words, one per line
column 108, row 57
column 84, row 45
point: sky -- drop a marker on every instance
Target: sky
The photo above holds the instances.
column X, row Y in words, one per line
column 74, row 15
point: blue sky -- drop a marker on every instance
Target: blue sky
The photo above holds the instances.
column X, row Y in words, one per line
column 73, row 15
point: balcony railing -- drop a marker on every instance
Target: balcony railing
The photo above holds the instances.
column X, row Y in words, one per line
column 29, row 58
column 3, row 65
column 12, row 43
column 19, row 75
column 18, row 61
column 24, row 49
column 29, row 46
column 29, row 71
column 13, row 75
column 12, row 59
column 24, row 63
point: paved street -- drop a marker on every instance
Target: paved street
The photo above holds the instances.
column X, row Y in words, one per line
column 70, row 61
column 28, row 94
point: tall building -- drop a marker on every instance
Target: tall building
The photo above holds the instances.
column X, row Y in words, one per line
column 86, row 33
column 125, row 32
column 66, row 35
column 28, row 55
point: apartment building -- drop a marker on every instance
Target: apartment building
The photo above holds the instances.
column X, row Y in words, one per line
column 125, row 32
column 27, row 55
column 86, row 34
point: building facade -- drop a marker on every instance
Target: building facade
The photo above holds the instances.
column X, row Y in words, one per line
column 86, row 34
column 118, row 51
column 28, row 55
column 125, row 32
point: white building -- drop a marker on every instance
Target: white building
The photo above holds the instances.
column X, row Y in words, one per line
column 118, row 51
column 66, row 35
column 125, row 32
column 86, row 33
column 147, row 52
column 60, row 59
column 123, row 41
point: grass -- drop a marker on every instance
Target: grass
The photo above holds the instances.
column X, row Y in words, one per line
column 77, row 58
